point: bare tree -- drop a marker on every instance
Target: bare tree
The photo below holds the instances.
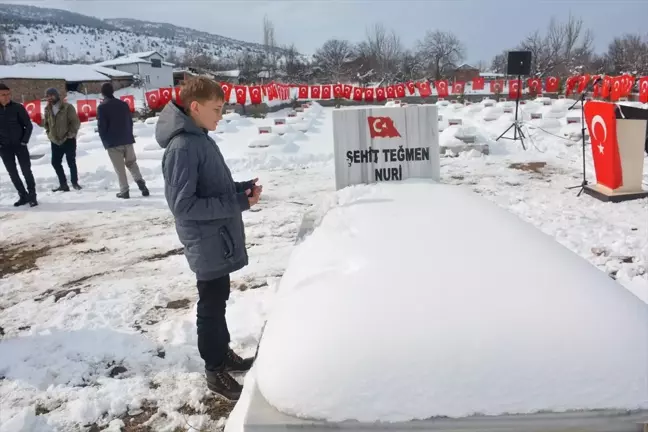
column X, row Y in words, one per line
column 46, row 52
column 4, row 51
column 412, row 67
column 482, row 66
column 441, row 50
column 62, row 53
column 628, row 54
column 498, row 65
column 385, row 49
column 20, row 54
column 270, row 45
column 293, row 66
column 334, row 58
column 195, row 56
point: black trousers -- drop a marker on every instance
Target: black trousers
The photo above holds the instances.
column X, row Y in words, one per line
column 213, row 335
column 9, row 156
column 67, row 149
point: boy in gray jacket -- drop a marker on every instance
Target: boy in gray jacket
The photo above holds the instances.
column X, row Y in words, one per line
column 207, row 205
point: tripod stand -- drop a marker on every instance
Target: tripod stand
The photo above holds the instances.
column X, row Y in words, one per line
column 517, row 131
column 584, row 127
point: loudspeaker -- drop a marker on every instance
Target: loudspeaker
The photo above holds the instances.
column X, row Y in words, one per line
column 519, row 63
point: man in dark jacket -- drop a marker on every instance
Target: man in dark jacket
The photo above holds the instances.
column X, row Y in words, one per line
column 207, row 206
column 15, row 131
column 115, row 124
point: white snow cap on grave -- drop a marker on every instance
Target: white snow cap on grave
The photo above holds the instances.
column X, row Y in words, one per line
column 385, row 314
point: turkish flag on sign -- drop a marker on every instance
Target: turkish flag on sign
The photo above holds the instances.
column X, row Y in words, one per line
column 424, row 89
column 166, row 94
column 535, row 86
column 391, row 92
column 458, row 87
column 411, row 88
column 381, row 94
column 400, row 91
column 241, row 94
column 34, row 110
column 153, row 99
column 382, row 127
column 357, row 94
column 553, row 85
column 86, row 108
column 326, row 92
column 514, row 89
column 497, row 86
column 227, row 89
column 337, row 91
column 478, row 83
column 130, row 100
column 315, row 92
column 303, row 92
column 601, row 123
column 442, row 88
column 643, row 89
column 255, row 95
column 369, row 94
column 347, row 91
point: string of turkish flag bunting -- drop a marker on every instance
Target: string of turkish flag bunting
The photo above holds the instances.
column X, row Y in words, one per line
column 612, row 88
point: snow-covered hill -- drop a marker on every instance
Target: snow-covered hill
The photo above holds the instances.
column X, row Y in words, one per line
column 31, row 35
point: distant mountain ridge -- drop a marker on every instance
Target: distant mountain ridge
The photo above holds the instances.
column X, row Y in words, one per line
column 30, row 35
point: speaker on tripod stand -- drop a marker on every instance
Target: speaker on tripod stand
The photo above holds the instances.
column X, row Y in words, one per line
column 519, row 64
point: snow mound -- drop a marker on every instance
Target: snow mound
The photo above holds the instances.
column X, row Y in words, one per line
column 266, row 140
column 224, row 127
column 151, row 120
column 380, row 321
column 492, row 113
column 282, row 129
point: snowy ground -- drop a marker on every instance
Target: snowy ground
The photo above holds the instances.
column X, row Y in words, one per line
column 97, row 303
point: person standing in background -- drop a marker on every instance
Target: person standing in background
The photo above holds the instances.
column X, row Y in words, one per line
column 116, row 132
column 61, row 123
column 15, row 132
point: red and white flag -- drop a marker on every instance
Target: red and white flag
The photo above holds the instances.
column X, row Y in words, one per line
column 553, row 85
column 86, row 108
column 347, row 91
column 326, row 92
column 315, row 91
column 34, row 110
column 177, row 92
column 535, row 86
column 255, row 95
column 153, row 99
column 241, row 94
column 497, row 86
column 411, row 88
column 227, row 89
column 458, row 87
column 643, row 89
column 338, row 91
column 478, row 83
column 391, row 92
column 166, row 95
column 130, row 100
column 369, row 94
column 424, row 89
column 303, row 92
column 400, row 90
column 382, row 127
column 442, row 88
column 357, row 94
column 515, row 90
column 381, row 94
column 601, row 123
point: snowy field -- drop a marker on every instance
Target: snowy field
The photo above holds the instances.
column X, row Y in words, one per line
column 97, row 304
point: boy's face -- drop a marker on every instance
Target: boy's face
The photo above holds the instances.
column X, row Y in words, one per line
column 207, row 114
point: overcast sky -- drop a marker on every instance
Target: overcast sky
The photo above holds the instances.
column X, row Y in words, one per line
column 487, row 27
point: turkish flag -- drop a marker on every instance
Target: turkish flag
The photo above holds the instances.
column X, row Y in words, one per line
column 357, row 94
column 315, row 92
column 382, row 127
column 381, row 94
column 601, row 123
column 606, row 88
column 496, row 86
column 303, row 92
column 442, row 88
column 267, row 91
column 424, row 89
column 582, row 82
column 535, row 86
column 241, row 94
column 326, row 92
column 400, row 91
column 227, row 89
column 627, row 83
column 255, row 95
column 391, row 92
column 643, row 89
column 458, row 87
column 347, row 91
column 478, row 83
column 369, row 94
column 616, row 90
column 166, row 94
column 153, row 99
column 337, row 91
column 130, row 100
column 34, row 110
column 411, row 88
column 274, row 91
column 514, row 88
column 553, row 85
column 177, row 91
column 572, row 82
column 86, row 108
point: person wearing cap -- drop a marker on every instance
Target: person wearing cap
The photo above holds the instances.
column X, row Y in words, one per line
column 15, row 132
column 61, row 123
column 115, row 124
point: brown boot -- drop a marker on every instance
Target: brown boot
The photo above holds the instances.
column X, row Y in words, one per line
column 222, row 384
column 235, row 363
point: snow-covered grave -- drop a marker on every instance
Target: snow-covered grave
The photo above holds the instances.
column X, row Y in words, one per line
column 454, row 122
column 447, row 330
column 279, row 121
column 385, row 144
column 264, row 129
column 536, row 116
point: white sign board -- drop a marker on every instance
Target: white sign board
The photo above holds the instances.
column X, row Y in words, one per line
column 385, row 144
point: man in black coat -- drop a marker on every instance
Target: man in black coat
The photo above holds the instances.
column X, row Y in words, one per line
column 15, row 131
column 115, row 124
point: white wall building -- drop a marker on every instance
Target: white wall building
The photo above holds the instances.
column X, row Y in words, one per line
column 150, row 66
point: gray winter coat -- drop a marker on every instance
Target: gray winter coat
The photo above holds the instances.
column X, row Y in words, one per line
column 204, row 199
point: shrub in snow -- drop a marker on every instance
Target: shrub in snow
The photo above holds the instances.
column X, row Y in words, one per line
column 419, row 321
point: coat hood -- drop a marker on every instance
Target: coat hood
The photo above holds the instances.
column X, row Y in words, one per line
column 172, row 122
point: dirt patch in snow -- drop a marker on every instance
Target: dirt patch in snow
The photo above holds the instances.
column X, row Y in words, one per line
column 536, row 167
column 21, row 257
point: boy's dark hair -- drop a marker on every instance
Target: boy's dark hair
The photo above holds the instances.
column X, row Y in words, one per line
column 4, row 86
column 200, row 89
column 107, row 89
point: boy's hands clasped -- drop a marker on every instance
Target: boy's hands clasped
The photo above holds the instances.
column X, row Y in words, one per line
column 254, row 194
